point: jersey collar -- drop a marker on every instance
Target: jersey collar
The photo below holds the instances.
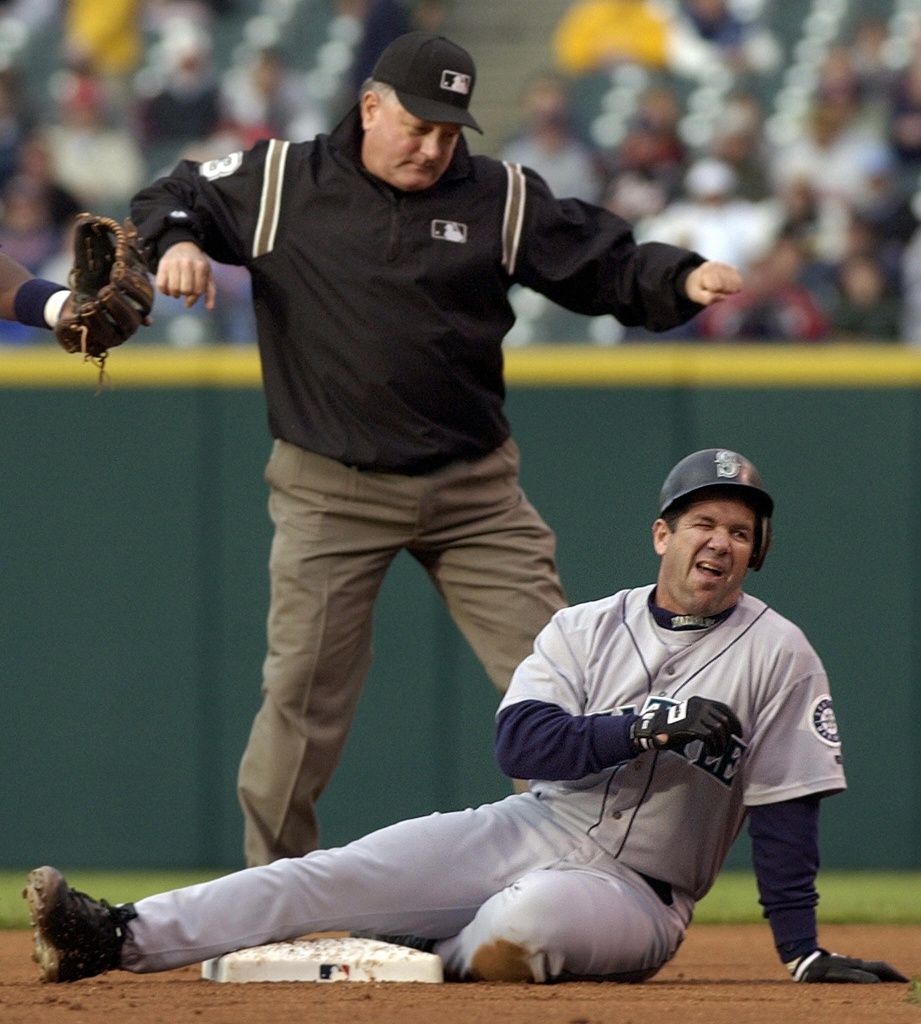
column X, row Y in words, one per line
column 669, row 620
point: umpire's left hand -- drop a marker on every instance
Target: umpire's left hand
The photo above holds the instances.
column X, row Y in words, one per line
column 712, row 282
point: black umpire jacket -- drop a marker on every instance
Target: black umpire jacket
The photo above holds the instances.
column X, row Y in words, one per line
column 381, row 313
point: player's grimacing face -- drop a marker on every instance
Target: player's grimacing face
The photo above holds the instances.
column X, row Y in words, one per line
column 705, row 558
column 400, row 149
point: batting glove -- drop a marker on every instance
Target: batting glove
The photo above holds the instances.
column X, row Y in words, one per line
column 821, row 965
column 696, row 718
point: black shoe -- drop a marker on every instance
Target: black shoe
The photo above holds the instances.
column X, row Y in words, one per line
column 75, row 936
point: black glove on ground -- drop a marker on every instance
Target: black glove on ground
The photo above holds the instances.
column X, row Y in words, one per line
column 830, row 967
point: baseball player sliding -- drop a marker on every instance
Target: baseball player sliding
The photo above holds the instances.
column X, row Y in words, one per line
column 652, row 723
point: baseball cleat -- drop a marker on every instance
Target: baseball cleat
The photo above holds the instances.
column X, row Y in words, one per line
column 75, row 936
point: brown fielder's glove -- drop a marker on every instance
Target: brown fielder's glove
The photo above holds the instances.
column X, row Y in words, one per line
column 112, row 290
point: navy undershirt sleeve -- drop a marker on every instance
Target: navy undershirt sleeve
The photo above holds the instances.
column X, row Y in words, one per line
column 536, row 740
column 785, row 854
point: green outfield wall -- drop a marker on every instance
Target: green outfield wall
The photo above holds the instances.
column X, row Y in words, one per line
column 134, row 551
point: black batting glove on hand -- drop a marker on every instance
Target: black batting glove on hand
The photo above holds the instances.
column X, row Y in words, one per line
column 696, row 718
column 830, row 967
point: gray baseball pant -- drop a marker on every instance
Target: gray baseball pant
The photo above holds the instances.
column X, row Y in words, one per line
column 512, row 892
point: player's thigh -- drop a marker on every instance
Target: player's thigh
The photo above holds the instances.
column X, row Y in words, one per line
column 570, row 923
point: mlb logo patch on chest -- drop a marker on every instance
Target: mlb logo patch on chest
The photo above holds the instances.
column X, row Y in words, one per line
column 449, row 231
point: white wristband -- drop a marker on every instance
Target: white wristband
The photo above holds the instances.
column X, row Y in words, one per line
column 53, row 307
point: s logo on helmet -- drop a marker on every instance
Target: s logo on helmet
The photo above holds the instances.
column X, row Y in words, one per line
column 728, row 464
column 824, row 723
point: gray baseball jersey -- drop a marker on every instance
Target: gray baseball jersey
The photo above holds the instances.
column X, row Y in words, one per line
column 674, row 815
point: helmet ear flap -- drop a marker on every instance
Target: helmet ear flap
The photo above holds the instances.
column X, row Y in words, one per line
column 764, row 536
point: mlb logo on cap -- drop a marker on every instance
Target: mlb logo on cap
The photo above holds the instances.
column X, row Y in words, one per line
column 454, row 81
column 433, row 77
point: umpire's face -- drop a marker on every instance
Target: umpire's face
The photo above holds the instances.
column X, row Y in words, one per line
column 401, row 150
column 704, row 559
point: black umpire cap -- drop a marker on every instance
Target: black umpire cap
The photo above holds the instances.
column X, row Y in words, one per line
column 432, row 76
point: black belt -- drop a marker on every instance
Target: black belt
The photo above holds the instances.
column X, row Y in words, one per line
column 662, row 889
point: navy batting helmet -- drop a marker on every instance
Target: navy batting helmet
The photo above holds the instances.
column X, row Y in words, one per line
column 719, row 467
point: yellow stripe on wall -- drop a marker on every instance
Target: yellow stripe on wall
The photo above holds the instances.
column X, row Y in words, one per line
column 143, row 366
column 638, row 365
column 708, row 366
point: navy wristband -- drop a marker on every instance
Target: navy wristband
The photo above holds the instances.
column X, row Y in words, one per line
column 29, row 304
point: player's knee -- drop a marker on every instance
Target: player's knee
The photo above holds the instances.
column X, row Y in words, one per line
column 501, row 960
column 523, row 942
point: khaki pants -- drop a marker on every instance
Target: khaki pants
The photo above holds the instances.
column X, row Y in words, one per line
column 337, row 530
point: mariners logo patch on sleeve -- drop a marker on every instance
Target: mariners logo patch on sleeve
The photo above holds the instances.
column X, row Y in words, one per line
column 823, row 721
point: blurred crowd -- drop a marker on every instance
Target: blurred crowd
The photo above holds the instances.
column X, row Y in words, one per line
column 819, row 210
column 818, row 205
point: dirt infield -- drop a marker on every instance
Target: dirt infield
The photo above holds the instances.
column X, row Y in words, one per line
column 722, row 975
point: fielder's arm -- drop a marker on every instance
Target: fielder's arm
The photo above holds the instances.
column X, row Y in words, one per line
column 30, row 300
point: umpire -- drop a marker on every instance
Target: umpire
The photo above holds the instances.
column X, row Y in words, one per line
column 381, row 258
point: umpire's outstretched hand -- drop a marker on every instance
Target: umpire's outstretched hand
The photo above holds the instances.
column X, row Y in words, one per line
column 712, row 282
column 831, row 967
